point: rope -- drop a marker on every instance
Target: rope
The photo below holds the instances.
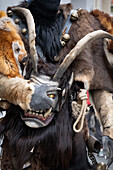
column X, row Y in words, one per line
column 83, row 96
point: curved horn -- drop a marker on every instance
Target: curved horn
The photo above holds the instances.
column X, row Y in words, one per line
column 32, row 35
column 78, row 49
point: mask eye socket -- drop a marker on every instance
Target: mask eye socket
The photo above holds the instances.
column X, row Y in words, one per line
column 52, row 96
column 17, row 50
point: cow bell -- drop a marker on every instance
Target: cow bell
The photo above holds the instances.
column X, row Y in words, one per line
column 24, row 31
column 56, row 58
column 74, row 16
column 17, row 21
column 62, row 43
column 66, row 37
column 9, row 13
column 101, row 166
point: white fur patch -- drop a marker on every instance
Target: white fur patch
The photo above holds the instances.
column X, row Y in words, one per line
column 17, row 51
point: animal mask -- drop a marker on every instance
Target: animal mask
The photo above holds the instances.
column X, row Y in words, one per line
column 12, row 49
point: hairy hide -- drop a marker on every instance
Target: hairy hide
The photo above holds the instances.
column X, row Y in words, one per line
column 57, row 147
column 107, row 23
column 9, row 35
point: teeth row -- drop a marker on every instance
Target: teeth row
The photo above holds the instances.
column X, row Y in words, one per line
column 38, row 113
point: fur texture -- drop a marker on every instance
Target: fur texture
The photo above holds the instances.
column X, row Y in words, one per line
column 12, row 48
column 57, row 147
column 107, row 24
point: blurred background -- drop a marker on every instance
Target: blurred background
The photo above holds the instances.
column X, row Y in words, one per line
column 104, row 5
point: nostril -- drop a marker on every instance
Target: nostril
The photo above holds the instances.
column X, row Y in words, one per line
column 24, row 61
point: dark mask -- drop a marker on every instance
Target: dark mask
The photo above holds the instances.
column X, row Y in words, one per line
column 46, row 8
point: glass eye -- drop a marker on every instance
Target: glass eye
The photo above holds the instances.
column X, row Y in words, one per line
column 52, row 96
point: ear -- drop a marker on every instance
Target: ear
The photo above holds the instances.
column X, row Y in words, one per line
column 3, row 24
column 2, row 14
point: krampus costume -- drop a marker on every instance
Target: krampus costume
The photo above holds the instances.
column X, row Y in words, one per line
column 41, row 137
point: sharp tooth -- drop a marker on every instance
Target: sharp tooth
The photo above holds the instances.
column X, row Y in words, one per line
column 40, row 115
column 30, row 112
column 37, row 114
column 41, row 111
column 47, row 113
column 50, row 113
column 33, row 113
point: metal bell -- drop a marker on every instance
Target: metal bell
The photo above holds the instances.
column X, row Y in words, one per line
column 56, row 58
column 63, row 43
column 17, row 21
column 9, row 13
column 74, row 16
column 24, row 31
column 66, row 37
column 101, row 166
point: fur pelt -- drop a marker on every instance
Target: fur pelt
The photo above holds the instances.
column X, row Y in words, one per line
column 12, row 49
column 107, row 23
column 57, row 147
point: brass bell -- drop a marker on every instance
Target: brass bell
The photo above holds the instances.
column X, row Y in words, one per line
column 63, row 43
column 74, row 16
column 56, row 58
column 24, row 31
column 66, row 37
column 17, row 21
column 101, row 166
column 9, row 13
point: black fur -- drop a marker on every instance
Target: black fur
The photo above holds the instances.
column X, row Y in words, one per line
column 48, row 31
column 57, row 144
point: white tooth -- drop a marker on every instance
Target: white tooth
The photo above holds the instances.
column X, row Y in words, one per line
column 30, row 112
column 33, row 113
column 47, row 113
column 40, row 115
column 41, row 111
column 50, row 113
column 37, row 114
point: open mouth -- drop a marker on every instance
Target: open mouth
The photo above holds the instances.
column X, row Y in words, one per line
column 37, row 119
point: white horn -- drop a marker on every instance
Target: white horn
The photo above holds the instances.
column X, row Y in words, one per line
column 32, row 35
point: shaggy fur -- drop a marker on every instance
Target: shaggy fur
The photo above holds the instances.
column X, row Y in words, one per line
column 57, row 147
column 50, row 153
column 107, row 24
column 9, row 35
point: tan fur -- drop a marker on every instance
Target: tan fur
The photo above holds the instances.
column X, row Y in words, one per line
column 107, row 23
column 8, row 64
column 2, row 14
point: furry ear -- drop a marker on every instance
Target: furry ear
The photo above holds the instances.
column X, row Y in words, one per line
column 2, row 14
column 3, row 24
column 3, row 21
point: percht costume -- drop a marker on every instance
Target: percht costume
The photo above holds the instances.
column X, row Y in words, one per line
column 58, row 29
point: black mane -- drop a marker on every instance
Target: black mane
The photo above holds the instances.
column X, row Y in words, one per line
column 48, row 31
column 55, row 143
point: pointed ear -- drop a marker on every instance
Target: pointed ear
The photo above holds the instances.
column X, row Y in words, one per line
column 2, row 14
column 3, row 25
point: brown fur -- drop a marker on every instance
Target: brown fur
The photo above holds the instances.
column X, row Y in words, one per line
column 9, row 34
column 90, row 68
column 107, row 24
